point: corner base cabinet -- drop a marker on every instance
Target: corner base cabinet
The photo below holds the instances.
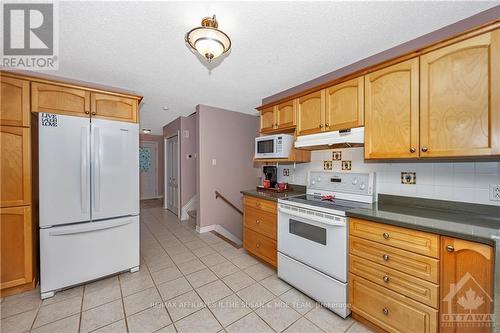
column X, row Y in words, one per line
column 260, row 228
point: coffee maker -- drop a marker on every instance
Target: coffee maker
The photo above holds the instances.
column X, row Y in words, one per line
column 271, row 174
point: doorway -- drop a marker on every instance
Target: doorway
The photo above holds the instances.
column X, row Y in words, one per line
column 148, row 166
column 172, row 176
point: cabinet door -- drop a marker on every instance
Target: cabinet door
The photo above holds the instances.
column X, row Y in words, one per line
column 466, row 284
column 285, row 115
column 16, row 246
column 114, row 107
column 311, row 113
column 460, row 98
column 15, row 187
column 15, row 102
column 267, row 120
column 345, row 105
column 58, row 99
column 391, row 111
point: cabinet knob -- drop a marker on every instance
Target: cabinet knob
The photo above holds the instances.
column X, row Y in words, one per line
column 320, row 125
column 386, row 279
column 87, row 112
column 385, row 257
column 94, row 113
column 425, row 149
column 385, row 235
column 257, row 221
column 257, row 245
column 257, row 204
column 450, row 248
column 412, row 150
column 385, row 311
column 327, row 125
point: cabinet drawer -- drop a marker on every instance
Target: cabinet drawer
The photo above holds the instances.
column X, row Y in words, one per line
column 402, row 238
column 389, row 310
column 261, row 222
column 112, row 107
column 407, row 285
column 260, row 245
column 260, row 204
column 58, row 99
column 411, row 263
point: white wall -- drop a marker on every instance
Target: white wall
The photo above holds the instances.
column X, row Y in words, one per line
column 464, row 181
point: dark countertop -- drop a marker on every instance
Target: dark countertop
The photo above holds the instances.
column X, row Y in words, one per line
column 479, row 223
column 274, row 196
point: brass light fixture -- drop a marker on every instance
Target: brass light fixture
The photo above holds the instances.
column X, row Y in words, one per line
column 207, row 40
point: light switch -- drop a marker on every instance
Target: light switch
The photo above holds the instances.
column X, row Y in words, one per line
column 214, row 162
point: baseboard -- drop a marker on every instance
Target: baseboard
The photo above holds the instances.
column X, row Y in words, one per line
column 190, row 205
column 151, row 198
column 220, row 230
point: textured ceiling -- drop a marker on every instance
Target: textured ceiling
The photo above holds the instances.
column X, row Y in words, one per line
column 276, row 45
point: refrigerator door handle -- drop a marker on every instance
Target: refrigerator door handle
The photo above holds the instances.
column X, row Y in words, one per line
column 84, row 182
column 97, row 169
column 89, row 227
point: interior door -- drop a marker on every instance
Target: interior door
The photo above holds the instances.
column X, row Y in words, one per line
column 172, row 174
column 114, row 169
column 64, row 169
column 148, row 166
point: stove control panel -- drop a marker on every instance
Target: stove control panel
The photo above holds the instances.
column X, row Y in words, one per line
column 356, row 183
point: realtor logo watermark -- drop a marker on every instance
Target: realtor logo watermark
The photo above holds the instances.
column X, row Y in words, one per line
column 30, row 35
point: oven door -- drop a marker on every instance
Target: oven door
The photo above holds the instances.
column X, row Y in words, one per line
column 313, row 241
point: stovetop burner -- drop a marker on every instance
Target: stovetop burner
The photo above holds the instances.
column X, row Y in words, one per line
column 329, row 202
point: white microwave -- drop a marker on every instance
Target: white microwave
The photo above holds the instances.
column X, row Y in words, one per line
column 273, row 146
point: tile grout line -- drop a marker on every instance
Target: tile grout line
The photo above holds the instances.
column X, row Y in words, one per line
column 123, row 299
column 81, row 309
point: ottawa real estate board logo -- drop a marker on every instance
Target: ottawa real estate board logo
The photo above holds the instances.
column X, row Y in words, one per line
column 30, row 35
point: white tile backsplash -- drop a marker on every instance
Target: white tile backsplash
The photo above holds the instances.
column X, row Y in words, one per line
column 461, row 181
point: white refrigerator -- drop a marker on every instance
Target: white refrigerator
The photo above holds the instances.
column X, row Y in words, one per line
column 89, row 199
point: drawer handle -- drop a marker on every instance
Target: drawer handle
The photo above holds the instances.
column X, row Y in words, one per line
column 385, row 311
column 385, row 235
column 385, row 257
column 386, row 279
column 450, row 248
column 257, row 221
column 257, row 245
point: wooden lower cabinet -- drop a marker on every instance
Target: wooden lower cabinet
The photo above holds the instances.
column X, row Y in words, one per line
column 466, row 286
column 260, row 222
column 17, row 265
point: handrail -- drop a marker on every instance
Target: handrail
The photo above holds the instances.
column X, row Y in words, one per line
column 219, row 195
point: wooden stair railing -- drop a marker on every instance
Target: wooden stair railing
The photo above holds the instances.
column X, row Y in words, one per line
column 219, row 195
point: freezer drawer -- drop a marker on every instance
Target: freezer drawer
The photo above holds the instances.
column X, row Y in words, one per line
column 78, row 253
column 326, row 290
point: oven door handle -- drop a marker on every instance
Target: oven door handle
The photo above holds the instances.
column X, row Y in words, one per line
column 317, row 217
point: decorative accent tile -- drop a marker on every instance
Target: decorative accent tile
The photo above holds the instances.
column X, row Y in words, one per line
column 346, row 165
column 327, row 165
column 408, row 178
column 336, row 155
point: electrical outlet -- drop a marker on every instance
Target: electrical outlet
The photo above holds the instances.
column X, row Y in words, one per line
column 494, row 192
column 408, row 178
column 286, row 172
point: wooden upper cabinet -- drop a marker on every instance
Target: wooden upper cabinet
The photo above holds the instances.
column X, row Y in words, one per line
column 15, row 168
column 460, row 98
column 14, row 102
column 58, row 99
column 311, row 112
column 16, row 245
column 267, row 120
column 466, row 283
column 391, row 111
column 345, row 105
column 285, row 115
column 113, row 107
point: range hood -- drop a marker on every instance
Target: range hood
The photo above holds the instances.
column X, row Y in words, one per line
column 354, row 137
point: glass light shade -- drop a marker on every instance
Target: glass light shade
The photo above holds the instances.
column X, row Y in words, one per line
column 209, row 42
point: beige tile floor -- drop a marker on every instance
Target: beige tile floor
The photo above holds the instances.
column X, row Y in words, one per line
column 187, row 283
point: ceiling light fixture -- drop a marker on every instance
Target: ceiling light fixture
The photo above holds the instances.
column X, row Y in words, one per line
column 207, row 40
column 146, row 131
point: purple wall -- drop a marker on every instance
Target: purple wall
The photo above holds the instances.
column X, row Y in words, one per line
column 228, row 137
column 161, row 159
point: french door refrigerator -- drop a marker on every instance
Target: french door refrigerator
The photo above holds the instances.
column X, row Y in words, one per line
column 89, row 199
